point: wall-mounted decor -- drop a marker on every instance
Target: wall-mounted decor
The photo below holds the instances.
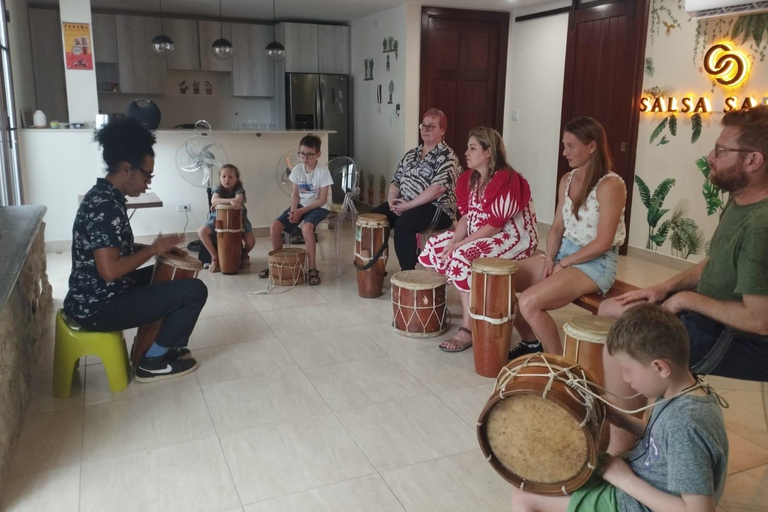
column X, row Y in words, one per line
column 183, row 87
column 208, row 87
column 391, row 91
column 196, row 87
column 378, row 97
column 390, row 45
column 387, row 63
column 77, row 46
column 368, row 69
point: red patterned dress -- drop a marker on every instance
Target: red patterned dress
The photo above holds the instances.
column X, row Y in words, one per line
column 506, row 203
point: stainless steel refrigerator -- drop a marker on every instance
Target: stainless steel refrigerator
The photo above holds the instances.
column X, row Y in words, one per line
column 319, row 102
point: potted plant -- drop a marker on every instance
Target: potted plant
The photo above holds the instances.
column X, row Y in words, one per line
column 208, row 87
column 196, row 87
column 183, row 87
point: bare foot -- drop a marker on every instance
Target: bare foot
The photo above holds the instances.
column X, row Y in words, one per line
column 214, row 267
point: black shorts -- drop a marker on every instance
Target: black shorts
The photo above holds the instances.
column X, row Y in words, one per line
column 745, row 359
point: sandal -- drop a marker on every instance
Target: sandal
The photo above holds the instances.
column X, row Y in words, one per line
column 214, row 266
column 313, row 276
column 462, row 346
column 264, row 273
column 245, row 262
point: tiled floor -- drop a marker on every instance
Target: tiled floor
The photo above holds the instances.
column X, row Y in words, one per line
column 304, row 401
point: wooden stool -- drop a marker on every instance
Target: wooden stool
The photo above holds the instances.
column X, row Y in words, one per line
column 73, row 343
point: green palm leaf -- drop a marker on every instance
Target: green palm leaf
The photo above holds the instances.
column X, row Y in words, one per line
column 712, row 197
column 645, row 193
column 664, row 140
column 662, row 190
column 739, row 26
column 673, row 125
column 658, row 129
column 695, row 127
column 758, row 28
column 703, row 165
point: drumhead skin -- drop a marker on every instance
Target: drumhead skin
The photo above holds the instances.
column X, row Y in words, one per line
column 186, row 262
column 287, row 252
column 224, row 207
column 494, row 266
column 418, row 279
column 590, row 328
column 372, row 220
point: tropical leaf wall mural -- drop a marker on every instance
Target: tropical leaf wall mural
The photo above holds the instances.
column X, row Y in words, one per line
column 671, row 123
column 713, row 195
column 654, row 203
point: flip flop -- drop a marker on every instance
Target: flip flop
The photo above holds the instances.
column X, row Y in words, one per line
column 313, row 277
column 454, row 341
column 264, row 273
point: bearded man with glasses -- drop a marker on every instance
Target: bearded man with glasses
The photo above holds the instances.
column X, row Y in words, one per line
column 422, row 194
column 723, row 300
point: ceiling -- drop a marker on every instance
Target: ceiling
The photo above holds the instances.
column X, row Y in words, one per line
column 294, row 10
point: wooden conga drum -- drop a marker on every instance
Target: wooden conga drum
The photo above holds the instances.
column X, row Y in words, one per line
column 168, row 267
column 492, row 303
column 418, row 304
column 585, row 338
column 371, row 253
column 229, row 238
column 539, row 433
column 288, row 266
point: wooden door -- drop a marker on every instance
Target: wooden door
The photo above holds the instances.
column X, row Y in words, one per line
column 604, row 77
column 463, row 69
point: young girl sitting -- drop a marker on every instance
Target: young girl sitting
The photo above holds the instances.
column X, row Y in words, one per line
column 230, row 191
column 498, row 221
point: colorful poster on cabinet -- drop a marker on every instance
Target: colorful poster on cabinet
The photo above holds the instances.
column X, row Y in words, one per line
column 77, row 45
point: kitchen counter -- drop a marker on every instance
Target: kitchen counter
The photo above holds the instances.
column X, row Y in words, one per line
column 58, row 165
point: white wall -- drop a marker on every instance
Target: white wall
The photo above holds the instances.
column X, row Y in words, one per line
column 21, row 56
column 381, row 138
column 535, row 67
column 84, row 105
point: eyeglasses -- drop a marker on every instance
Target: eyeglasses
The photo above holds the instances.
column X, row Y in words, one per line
column 719, row 149
column 427, row 127
column 306, row 155
column 147, row 175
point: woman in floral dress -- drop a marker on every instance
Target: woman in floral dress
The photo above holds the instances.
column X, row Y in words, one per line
column 498, row 221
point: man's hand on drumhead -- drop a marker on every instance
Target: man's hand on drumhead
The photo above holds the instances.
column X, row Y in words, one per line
column 165, row 243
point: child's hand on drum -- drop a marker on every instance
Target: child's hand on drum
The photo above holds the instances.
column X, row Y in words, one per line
column 616, row 472
column 237, row 205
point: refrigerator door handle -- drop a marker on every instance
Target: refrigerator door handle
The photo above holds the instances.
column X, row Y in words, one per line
column 321, row 105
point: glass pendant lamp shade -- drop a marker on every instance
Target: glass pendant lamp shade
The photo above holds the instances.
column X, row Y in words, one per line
column 162, row 44
column 222, row 49
column 275, row 51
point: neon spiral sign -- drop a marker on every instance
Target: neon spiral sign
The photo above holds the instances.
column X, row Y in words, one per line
column 729, row 67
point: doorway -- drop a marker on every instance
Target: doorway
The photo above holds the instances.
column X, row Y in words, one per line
column 463, row 69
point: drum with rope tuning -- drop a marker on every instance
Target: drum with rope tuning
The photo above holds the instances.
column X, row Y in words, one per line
column 371, row 253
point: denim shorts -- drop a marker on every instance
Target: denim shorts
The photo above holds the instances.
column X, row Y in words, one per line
column 601, row 270
column 315, row 217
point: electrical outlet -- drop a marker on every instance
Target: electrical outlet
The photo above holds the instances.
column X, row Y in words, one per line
column 183, row 207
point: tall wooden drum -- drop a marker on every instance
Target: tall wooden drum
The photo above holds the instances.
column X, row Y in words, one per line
column 168, row 267
column 492, row 303
column 585, row 338
column 418, row 304
column 288, row 266
column 371, row 253
column 537, row 431
column 229, row 238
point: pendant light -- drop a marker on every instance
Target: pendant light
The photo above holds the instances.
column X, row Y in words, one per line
column 222, row 49
column 275, row 51
column 162, row 44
